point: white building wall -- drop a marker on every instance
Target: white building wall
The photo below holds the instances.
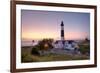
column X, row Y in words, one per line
column 59, row 45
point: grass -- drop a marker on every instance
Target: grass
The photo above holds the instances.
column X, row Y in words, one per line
column 57, row 57
column 28, row 57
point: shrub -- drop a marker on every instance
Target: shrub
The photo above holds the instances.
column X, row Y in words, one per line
column 35, row 51
column 84, row 49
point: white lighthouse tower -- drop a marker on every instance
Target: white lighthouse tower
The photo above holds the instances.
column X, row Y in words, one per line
column 62, row 34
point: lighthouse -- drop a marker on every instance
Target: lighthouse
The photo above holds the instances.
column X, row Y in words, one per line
column 62, row 33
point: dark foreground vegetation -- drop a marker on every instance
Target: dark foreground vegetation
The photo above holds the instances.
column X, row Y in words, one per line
column 36, row 53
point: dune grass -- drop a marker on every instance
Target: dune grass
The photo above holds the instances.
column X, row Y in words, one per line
column 26, row 57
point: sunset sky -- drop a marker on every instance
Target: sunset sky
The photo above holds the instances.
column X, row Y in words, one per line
column 46, row 24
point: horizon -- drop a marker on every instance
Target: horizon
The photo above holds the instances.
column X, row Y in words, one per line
column 35, row 23
column 51, row 38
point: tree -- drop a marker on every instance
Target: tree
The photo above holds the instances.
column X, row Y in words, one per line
column 86, row 39
column 32, row 42
column 45, row 44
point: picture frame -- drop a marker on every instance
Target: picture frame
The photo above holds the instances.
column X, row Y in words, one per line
column 16, row 26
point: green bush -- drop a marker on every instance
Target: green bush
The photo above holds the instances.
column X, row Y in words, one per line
column 35, row 51
column 85, row 49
